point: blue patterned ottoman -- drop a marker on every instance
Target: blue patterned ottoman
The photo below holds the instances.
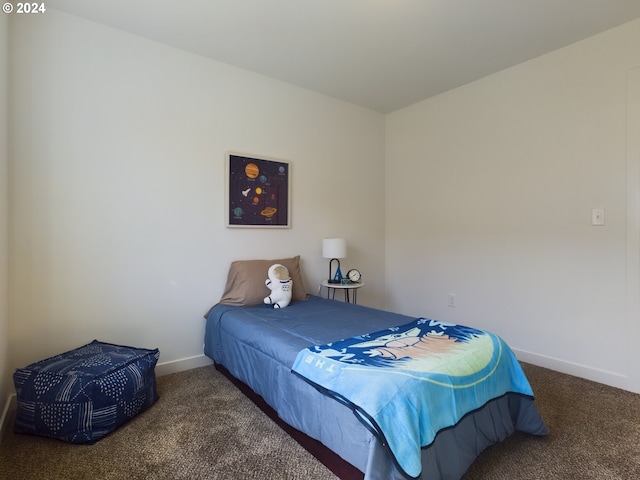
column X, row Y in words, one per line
column 82, row 395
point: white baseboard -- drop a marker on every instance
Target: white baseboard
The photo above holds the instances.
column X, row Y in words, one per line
column 597, row 375
column 612, row 379
column 601, row 376
column 10, row 405
column 182, row 364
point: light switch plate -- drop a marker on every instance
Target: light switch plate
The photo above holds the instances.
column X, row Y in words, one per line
column 597, row 216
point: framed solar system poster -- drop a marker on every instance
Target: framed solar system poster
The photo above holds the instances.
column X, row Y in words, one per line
column 258, row 190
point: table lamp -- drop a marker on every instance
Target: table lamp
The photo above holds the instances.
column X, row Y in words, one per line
column 334, row 248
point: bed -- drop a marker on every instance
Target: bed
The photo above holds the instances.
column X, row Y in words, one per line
column 259, row 345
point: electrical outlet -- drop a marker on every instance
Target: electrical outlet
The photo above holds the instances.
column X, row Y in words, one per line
column 451, row 300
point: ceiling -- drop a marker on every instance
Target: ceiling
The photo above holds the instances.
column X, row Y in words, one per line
column 380, row 54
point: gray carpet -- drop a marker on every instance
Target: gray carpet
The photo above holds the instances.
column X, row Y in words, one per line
column 204, row 428
column 595, row 434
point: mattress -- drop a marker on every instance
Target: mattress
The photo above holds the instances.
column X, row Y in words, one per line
column 259, row 345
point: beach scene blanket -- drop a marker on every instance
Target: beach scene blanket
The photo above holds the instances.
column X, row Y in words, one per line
column 408, row 382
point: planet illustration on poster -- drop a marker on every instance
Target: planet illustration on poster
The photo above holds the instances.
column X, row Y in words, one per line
column 251, row 170
column 268, row 212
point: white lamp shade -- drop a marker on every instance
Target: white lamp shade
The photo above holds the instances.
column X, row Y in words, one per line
column 334, row 248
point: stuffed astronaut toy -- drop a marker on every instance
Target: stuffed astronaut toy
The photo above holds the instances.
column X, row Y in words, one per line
column 281, row 286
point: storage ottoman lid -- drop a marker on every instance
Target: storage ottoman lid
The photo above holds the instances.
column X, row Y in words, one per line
column 93, row 360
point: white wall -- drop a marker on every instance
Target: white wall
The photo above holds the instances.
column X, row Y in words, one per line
column 116, row 202
column 117, row 206
column 633, row 229
column 489, row 195
column 5, row 374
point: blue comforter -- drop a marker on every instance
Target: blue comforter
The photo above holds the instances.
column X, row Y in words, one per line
column 409, row 382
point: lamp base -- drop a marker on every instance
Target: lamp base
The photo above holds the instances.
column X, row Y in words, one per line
column 337, row 277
